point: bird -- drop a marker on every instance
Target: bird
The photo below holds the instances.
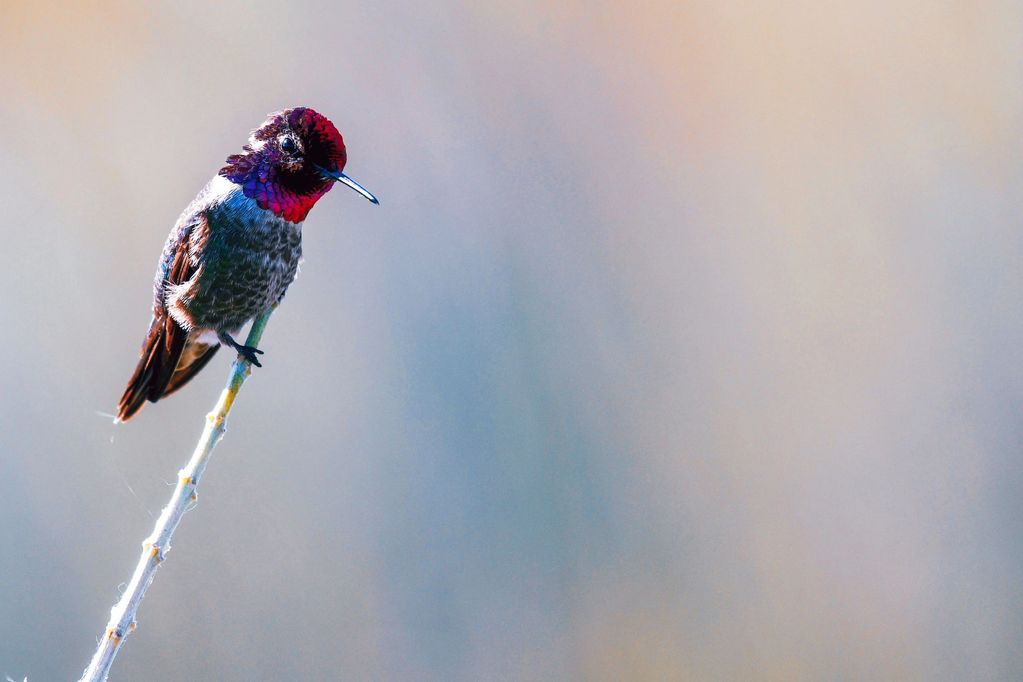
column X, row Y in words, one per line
column 235, row 249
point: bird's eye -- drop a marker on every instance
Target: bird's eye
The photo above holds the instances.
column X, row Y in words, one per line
column 288, row 145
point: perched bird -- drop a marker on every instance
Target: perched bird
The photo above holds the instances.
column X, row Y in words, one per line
column 234, row 251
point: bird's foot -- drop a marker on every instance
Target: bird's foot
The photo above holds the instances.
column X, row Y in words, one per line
column 250, row 353
column 247, row 352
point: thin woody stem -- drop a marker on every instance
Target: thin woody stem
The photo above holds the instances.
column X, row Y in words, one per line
column 156, row 546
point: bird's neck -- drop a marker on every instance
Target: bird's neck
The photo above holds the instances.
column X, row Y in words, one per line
column 287, row 195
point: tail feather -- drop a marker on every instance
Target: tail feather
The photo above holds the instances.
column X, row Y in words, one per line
column 169, row 358
column 193, row 358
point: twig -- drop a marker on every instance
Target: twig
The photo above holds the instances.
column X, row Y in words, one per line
column 156, row 546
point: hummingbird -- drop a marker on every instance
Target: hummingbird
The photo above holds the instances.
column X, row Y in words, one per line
column 235, row 250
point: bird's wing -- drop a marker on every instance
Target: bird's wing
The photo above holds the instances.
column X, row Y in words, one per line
column 166, row 339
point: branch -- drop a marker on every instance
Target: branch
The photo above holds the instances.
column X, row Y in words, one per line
column 156, row 546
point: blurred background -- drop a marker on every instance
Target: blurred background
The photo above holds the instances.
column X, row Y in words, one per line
column 684, row 345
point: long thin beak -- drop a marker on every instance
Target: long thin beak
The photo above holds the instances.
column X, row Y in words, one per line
column 338, row 176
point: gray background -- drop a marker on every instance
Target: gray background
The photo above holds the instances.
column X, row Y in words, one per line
column 684, row 345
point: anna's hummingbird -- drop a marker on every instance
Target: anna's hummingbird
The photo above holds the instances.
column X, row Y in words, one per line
column 234, row 251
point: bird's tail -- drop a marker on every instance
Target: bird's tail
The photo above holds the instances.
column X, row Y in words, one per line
column 170, row 357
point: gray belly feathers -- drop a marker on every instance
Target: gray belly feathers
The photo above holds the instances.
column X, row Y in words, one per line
column 249, row 258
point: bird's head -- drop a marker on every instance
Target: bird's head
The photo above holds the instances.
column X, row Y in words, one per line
column 291, row 161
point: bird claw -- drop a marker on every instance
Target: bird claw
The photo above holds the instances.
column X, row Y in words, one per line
column 250, row 353
column 247, row 352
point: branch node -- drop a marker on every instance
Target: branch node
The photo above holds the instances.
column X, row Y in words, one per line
column 157, row 553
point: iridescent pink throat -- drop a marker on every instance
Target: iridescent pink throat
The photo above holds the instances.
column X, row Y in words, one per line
column 272, row 191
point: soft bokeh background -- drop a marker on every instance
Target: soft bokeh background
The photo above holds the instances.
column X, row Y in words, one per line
column 685, row 344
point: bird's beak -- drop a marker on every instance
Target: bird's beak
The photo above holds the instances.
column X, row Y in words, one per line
column 338, row 176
